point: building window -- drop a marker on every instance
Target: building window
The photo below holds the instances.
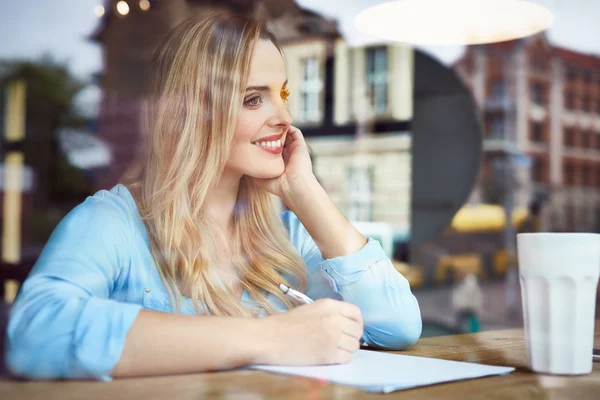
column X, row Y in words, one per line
column 571, row 75
column 569, row 137
column 568, row 173
column 537, row 133
column 310, row 90
column 360, row 184
column 587, row 76
column 377, row 78
column 537, row 93
column 598, row 176
column 598, row 106
column 497, row 90
column 539, row 171
column 583, row 218
column 585, row 140
column 496, row 127
column 597, row 137
column 569, row 101
column 586, row 104
column 586, row 176
column 570, row 213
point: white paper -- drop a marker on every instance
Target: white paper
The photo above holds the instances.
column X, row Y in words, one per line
column 386, row 372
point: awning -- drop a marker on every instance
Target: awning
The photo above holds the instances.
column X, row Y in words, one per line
column 83, row 149
column 486, row 217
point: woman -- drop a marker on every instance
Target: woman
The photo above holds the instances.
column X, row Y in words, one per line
column 163, row 274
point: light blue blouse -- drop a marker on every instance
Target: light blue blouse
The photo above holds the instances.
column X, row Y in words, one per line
column 96, row 272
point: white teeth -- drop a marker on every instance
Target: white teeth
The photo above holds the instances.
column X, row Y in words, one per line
column 273, row 144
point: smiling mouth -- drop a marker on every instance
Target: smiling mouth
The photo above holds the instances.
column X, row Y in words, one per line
column 272, row 146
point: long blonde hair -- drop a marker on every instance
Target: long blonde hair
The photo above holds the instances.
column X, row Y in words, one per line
column 196, row 86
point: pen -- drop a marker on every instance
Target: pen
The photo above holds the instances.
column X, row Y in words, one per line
column 295, row 294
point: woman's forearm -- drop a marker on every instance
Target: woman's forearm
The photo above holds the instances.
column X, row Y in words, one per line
column 161, row 344
column 362, row 272
column 333, row 234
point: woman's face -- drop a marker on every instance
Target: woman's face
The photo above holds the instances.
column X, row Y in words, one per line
column 264, row 119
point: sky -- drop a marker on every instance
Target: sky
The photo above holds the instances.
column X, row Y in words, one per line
column 31, row 28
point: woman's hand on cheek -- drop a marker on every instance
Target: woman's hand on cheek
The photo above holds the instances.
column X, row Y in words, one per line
column 298, row 167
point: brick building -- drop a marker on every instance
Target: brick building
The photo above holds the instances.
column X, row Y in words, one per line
column 542, row 101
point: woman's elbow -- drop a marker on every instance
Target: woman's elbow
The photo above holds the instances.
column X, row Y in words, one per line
column 411, row 324
column 410, row 332
column 407, row 332
column 399, row 332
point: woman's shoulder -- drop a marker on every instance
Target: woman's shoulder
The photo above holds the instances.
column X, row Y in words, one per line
column 100, row 226
column 105, row 209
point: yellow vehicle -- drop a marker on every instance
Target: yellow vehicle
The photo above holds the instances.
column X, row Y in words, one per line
column 452, row 263
column 475, row 242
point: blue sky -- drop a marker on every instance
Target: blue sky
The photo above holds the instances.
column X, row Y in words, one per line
column 30, row 28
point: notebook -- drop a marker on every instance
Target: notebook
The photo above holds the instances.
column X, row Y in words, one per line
column 382, row 372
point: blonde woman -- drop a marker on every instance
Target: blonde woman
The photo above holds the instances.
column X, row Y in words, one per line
column 177, row 270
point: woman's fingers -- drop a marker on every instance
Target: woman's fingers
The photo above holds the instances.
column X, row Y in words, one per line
column 353, row 329
column 351, row 311
column 349, row 344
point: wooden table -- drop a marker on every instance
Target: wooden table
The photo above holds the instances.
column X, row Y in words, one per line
column 505, row 347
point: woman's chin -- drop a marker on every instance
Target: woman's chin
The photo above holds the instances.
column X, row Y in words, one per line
column 270, row 173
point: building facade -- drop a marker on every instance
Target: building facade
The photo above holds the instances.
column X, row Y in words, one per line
column 360, row 139
column 540, row 104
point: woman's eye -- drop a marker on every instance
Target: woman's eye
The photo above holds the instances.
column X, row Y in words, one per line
column 285, row 93
column 253, row 101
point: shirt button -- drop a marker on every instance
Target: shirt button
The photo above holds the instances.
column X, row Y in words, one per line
column 147, row 290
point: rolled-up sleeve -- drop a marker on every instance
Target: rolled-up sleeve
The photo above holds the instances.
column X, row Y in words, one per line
column 63, row 323
column 367, row 278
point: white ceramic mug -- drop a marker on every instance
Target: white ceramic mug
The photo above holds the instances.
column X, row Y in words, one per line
column 559, row 277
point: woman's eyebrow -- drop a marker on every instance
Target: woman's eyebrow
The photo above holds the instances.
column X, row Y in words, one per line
column 262, row 88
